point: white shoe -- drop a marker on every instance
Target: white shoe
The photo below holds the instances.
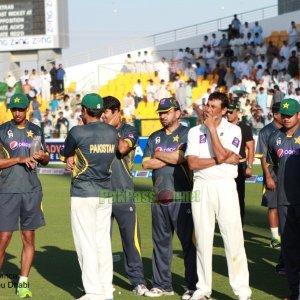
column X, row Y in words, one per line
column 156, row 292
column 187, row 295
column 140, row 290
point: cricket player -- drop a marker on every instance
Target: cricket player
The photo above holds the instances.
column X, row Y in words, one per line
column 20, row 189
column 164, row 154
column 123, row 209
column 212, row 152
column 284, row 149
column 247, row 153
column 269, row 198
column 89, row 151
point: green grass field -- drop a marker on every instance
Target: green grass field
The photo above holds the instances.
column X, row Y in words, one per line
column 56, row 275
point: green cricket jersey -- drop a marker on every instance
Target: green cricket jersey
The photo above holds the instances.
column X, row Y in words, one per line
column 15, row 142
column 94, row 148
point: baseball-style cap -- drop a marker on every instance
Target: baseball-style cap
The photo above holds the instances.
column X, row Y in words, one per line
column 92, row 101
column 232, row 106
column 18, row 101
column 166, row 104
column 289, row 107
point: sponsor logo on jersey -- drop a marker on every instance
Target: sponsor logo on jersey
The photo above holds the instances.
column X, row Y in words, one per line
column 14, row 145
column 287, row 152
column 165, row 149
column 131, row 136
column 235, row 142
column 157, row 140
column 202, row 138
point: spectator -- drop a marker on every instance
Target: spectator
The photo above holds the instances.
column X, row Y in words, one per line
column 257, row 29
column 46, row 86
column 128, row 106
column 285, row 50
column 26, row 88
column 47, row 127
column 230, row 77
column 199, row 70
column 224, row 42
column 190, row 73
column 62, row 125
column 163, row 90
column 293, row 33
column 236, row 24
column 151, row 91
column 129, row 64
column 60, row 74
column 139, row 63
column 278, row 94
column 293, row 65
column 24, row 76
column 137, row 92
column 181, row 95
column 163, row 70
column 54, row 86
column 8, row 94
column 261, row 99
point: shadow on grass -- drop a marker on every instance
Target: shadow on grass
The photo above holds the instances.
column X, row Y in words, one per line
column 10, row 272
column 61, row 268
column 120, row 278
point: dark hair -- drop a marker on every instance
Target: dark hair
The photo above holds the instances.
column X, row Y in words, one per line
column 275, row 107
column 112, row 103
column 93, row 112
column 219, row 96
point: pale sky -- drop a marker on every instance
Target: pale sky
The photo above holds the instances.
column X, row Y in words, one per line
column 101, row 23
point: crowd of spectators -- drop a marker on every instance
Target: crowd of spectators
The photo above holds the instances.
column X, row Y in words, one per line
column 239, row 62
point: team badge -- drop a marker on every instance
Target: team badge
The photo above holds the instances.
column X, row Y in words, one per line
column 10, row 134
column 30, row 134
column 176, row 138
column 235, row 142
column 202, row 138
column 278, row 141
column 157, row 140
column 297, row 140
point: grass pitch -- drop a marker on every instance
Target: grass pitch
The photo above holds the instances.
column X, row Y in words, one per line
column 56, row 274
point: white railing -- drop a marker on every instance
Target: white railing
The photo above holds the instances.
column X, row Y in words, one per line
column 211, row 26
column 170, row 36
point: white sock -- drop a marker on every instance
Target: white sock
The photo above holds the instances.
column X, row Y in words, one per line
column 274, row 232
column 23, row 279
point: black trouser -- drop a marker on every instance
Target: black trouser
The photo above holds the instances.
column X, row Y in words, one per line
column 125, row 215
column 61, row 85
column 289, row 217
column 240, row 185
column 165, row 219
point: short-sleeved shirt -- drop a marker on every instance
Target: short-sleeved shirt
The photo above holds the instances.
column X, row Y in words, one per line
column 94, row 148
column 262, row 147
column 15, row 142
column 285, row 151
column 121, row 178
column 171, row 177
column 246, row 137
column 199, row 144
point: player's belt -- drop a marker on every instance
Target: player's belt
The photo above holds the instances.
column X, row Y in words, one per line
column 242, row 160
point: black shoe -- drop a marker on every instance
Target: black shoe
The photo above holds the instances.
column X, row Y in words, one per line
column 280, row 270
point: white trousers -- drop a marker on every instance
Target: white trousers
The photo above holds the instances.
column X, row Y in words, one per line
column 91, row 221
column 219, row 199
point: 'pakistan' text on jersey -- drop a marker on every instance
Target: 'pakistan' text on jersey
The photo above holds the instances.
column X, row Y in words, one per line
column 285, row 150
column 94, row 148
column 171, row 177
column 15, row 142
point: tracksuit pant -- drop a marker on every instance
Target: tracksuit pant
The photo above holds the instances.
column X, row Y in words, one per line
column 167, row 218
column 289, row 218
column 211, row 200
column 126, row 217
column 91, row 221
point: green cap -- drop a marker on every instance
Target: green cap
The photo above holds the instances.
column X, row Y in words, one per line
column 232, row 106
column 92, row 101
column 166, row 104
column 289, row 107
column 18, row 101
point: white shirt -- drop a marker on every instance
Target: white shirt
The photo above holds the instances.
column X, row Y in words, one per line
column 199, row 144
